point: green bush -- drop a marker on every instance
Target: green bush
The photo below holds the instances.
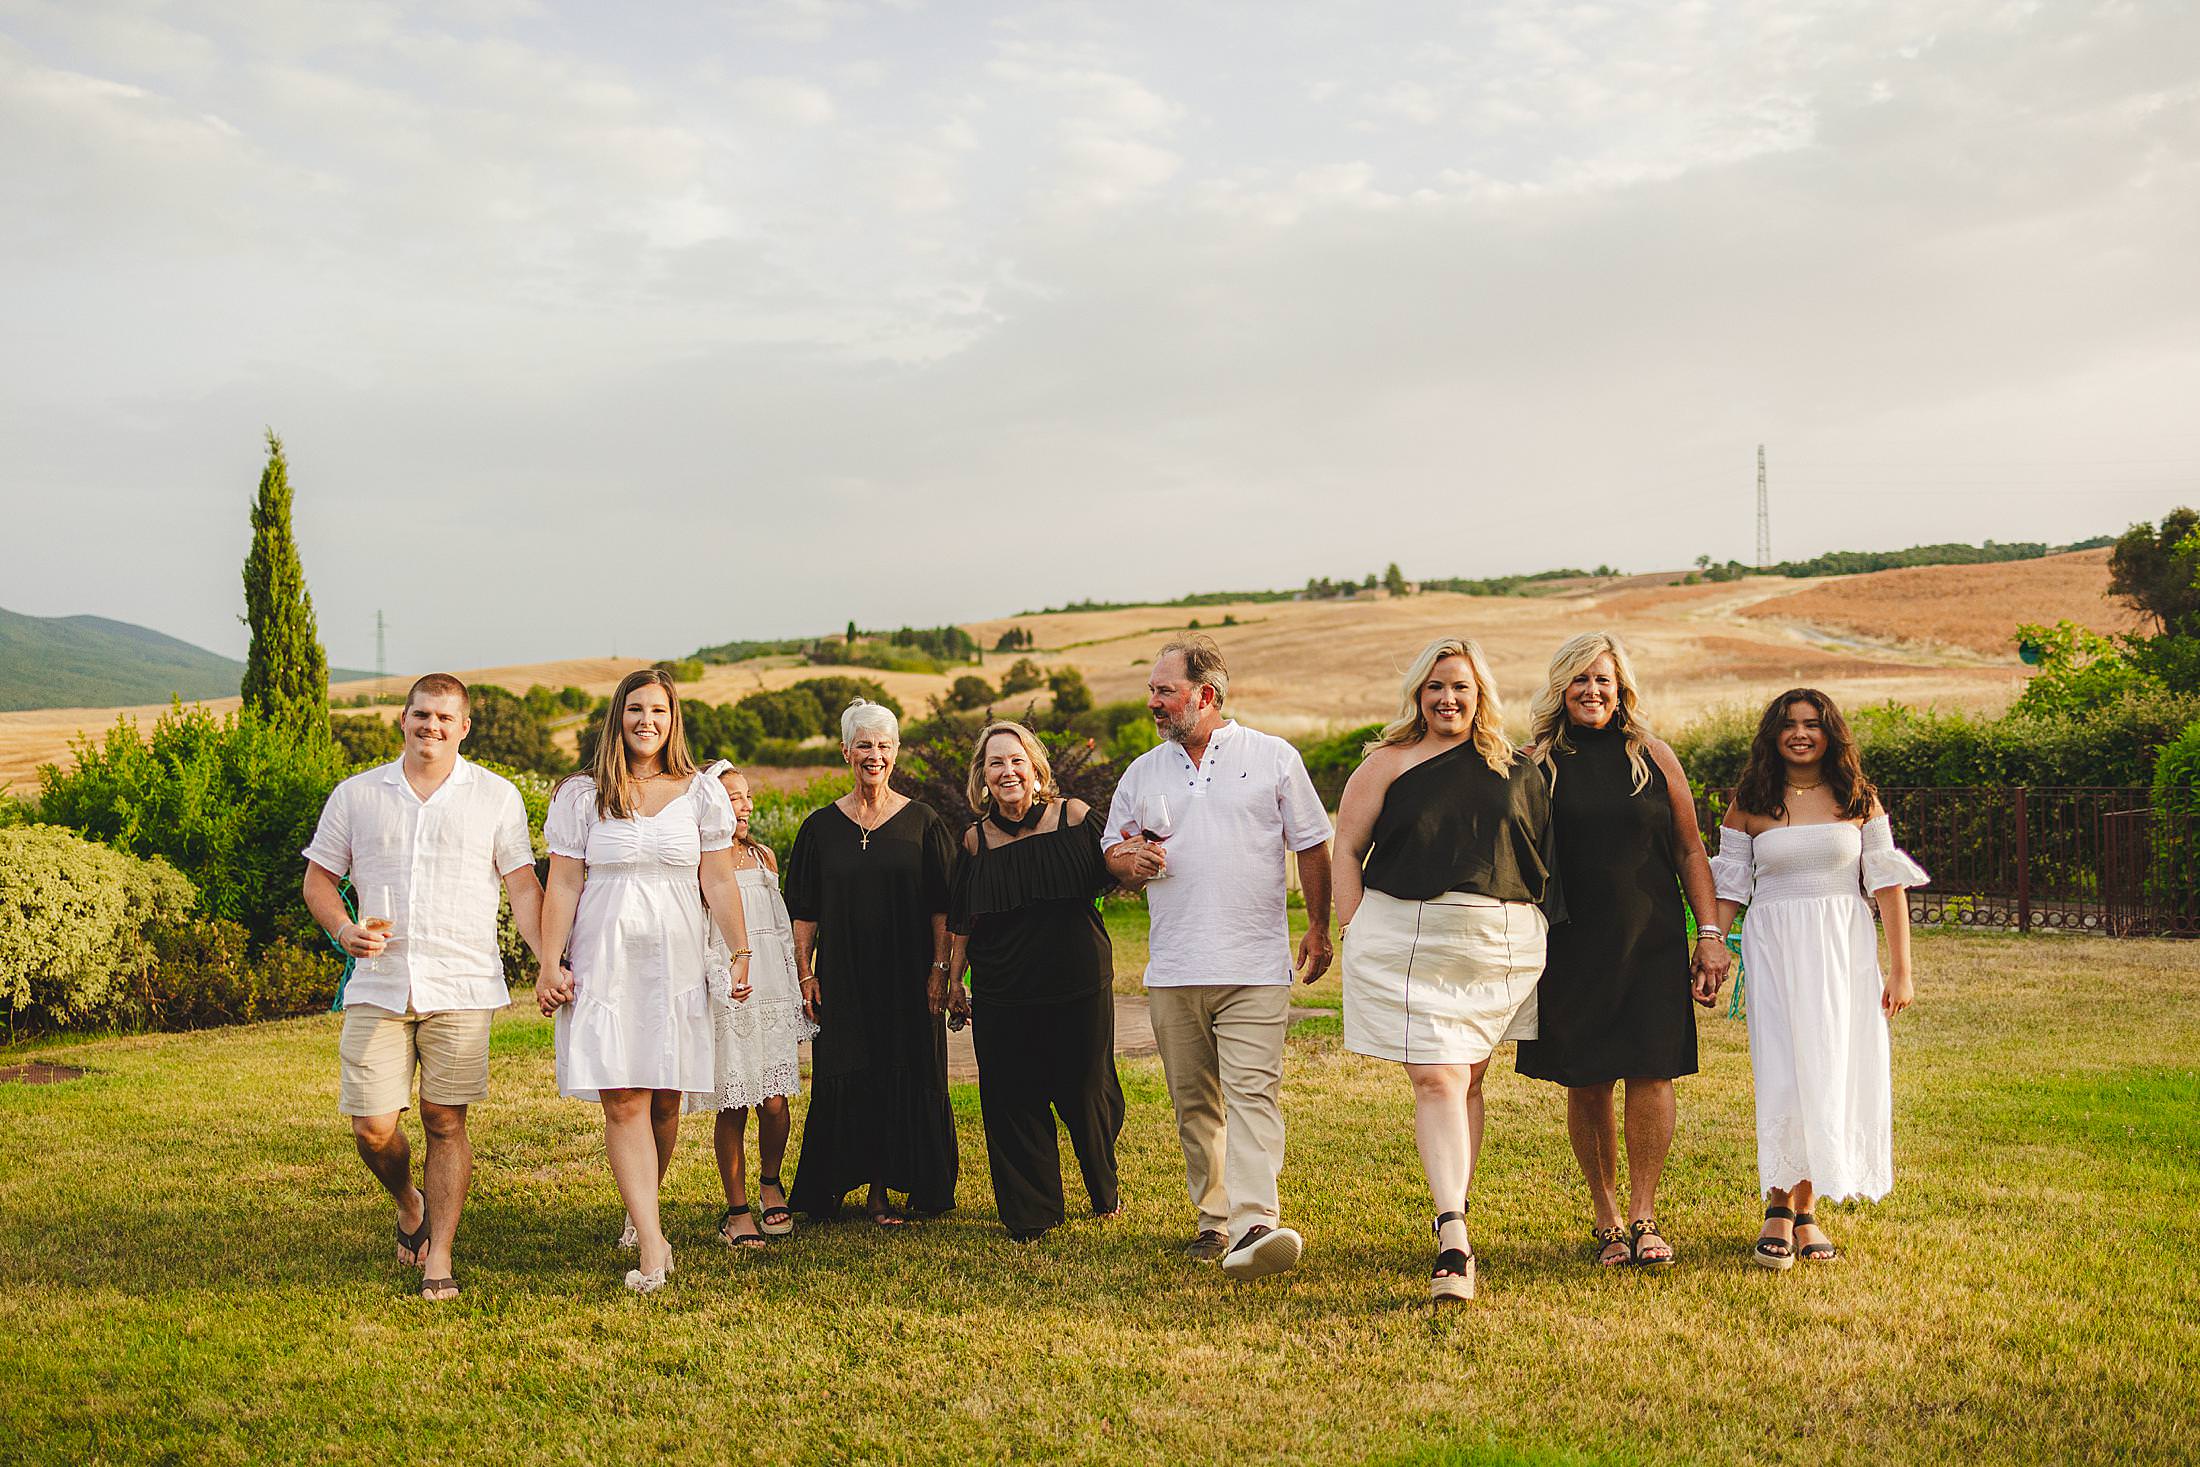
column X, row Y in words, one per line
column 970, row 692
column 835, row 693
column 788, row 713
column 76, row 924
column 508, row 732
column 682, row 669
column 779, row 814
column 1023, row 676
column 230, row 802
column 2114, row 744
column 366, row 739
column 1070, row 693
column 205, row 976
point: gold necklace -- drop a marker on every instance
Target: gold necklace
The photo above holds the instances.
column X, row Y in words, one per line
column 865, row 843
column 1806, row 788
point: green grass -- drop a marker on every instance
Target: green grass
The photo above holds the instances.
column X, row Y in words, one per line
column 194, row 1267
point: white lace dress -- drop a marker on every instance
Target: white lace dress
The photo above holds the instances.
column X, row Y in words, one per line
column 640, row 1015
column 1817, row 1038
column 757, row 1042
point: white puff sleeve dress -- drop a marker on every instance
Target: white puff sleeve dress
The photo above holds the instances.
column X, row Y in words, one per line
column 640, row 1015
column 1817, row 1039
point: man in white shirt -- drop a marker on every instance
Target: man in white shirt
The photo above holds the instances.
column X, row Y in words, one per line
column 426, row 840
column 1218, row 980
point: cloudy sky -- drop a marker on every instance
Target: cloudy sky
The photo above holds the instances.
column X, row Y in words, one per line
column 597, row 328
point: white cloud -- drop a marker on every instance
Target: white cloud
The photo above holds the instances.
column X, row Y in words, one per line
column 784, row 100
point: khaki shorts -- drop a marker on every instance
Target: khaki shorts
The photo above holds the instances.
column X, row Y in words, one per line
column 379, row 1050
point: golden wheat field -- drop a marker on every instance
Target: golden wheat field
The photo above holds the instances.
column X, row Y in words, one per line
column 1929, row 635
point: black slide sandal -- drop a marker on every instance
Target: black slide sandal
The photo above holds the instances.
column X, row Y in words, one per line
column 1777, row 1254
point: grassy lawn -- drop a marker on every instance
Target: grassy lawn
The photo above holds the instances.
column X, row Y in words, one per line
column 194, row 1267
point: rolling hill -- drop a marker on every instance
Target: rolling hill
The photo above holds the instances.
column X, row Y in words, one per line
column 92, row 662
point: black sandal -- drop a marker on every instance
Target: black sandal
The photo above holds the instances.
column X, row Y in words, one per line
column 1453, row 1276
column 1604, row 1239
column 1639, row 1229
column 737, row 1240
column 777, row 1219
column 1777, row 1254
column 430, row 1287
column 416, row 1241
column 1813, row 1252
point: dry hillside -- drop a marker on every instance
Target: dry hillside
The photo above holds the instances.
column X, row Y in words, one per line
column 1934, row 634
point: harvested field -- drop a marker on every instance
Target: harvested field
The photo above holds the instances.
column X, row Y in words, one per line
column 1930, row 635
column 1975, row 607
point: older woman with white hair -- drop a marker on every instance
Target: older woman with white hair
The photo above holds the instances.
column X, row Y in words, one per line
column 1446, row 882
column 1616, row 988
column 867, row 887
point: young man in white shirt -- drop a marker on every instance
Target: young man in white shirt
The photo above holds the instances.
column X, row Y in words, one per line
column 1218, row 981
column 427, row 840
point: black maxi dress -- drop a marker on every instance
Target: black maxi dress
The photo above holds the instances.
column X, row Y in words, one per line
column 878, row 1092
column 1042, row 1015
column 1614, row 998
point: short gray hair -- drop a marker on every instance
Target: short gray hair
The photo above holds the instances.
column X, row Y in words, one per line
column 1202, row 663
column 863, row 715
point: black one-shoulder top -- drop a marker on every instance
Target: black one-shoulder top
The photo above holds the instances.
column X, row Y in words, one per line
column 1452, row 823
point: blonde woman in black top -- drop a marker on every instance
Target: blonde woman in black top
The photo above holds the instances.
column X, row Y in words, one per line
column 1447, row 883
column 1042, row 977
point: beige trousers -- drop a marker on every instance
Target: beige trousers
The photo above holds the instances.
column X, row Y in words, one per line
column 1222, row 1049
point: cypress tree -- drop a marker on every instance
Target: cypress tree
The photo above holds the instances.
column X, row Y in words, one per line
column 285, row 672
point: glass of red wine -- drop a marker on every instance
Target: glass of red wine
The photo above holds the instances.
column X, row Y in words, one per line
column 1154, row 823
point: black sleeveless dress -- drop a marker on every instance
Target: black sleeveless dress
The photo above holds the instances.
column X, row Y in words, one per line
column 1614, row 998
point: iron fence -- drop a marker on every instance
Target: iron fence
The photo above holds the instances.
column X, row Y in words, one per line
column 2102, row 859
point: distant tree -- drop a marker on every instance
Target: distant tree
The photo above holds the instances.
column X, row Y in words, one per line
column 285, row 671
column 682, row 669
column 1192, row 625
column 969, row 692
column 2157, row 570
column 789, row 713
column 1394, row 579
column 366, row 739
column 1070, row 693
column 506, row 731
column 1022, row 676
column 1370, row 583
column 1703, row 562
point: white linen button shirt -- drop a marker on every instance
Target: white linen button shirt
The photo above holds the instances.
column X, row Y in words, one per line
column 1217, row 915
column 443, row 860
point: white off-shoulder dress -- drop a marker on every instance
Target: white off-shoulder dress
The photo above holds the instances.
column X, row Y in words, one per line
column 1817, row 1038
column 640, row 1015
column 757, row 1041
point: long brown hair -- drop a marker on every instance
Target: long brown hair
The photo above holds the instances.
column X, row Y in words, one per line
column 618, row 793
column 1763, row 789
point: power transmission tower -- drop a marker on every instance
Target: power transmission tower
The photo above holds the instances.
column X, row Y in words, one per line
column 381, row 652
column 1764, row 515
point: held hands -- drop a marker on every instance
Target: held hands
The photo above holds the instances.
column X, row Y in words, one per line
column 812, row 999
column 741, row 985
column 553, row 988
column 958, row 1002
column 935, row 990
column 1709, row 967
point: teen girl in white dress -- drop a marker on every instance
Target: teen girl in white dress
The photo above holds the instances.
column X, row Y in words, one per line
column 1803, row 841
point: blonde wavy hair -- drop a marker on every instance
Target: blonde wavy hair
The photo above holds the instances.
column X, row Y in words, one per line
column 1042, row 771
column 1488, row 728
column 618, row 793
column 1548, row 718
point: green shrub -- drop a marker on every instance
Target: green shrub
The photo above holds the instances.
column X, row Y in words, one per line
column 835, row 693
column 206, row 976
column 230, row 802
column 970, row 692
column 507, row 732
column 366, row 739
column 682, row 669
column 76, row 924
column 1070, row 693
column 788, row 713
column 1023, row 676
column 779, row 814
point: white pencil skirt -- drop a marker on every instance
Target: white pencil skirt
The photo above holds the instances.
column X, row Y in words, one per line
column 1440, row 982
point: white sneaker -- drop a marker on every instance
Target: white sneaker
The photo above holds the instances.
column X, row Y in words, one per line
column 1263, row 1251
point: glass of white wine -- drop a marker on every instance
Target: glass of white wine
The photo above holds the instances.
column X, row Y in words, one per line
column 378, row 915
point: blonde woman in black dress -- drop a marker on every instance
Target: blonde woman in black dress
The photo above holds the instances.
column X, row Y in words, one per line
column 1619, row 976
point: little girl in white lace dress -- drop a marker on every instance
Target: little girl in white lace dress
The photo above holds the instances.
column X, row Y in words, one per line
column 757, row 1042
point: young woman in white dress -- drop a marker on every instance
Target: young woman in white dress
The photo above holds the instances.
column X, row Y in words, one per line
column 640, row 845
column 1803, row 841
column 757, row 1041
